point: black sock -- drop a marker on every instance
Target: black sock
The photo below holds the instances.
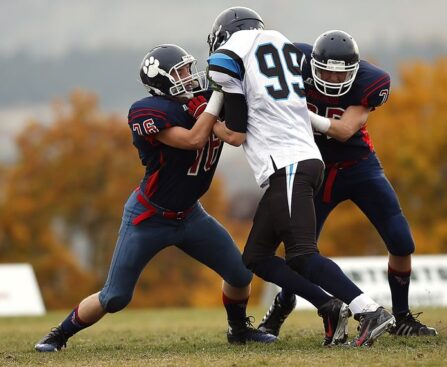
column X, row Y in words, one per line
column 399, row 285
column 286, row 298
column 72, row 324
column 236, row 309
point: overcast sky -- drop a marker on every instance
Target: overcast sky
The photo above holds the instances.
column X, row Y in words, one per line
column 52, row 27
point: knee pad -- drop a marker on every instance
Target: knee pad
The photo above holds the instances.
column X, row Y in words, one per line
column 115, row 303
column 398, row 239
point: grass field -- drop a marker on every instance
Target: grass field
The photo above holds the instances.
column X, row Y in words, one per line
column 196, row 337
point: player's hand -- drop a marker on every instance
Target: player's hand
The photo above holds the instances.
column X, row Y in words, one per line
column 196, row 106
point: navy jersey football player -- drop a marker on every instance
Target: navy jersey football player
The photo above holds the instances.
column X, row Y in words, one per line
column 259, row 74
column 175, row 144
column 341, row 91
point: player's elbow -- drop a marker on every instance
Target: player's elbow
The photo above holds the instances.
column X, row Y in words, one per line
column 343, row 137
column 235, row 139
column 197, row 143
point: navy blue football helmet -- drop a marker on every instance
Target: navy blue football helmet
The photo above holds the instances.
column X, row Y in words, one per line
column 335, row 51
column 159, row 72
column 230, row 21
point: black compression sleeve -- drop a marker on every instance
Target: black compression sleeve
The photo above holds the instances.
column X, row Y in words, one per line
column 236, row 112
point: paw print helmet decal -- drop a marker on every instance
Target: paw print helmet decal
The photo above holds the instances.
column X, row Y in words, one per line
column 169, row 70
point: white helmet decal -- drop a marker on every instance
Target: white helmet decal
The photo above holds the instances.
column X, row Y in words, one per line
column 151, row 68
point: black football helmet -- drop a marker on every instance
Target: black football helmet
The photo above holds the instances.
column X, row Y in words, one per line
column 159, row 72
column 232, row 20
column 335, row 51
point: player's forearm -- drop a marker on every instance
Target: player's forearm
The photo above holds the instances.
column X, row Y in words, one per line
column 190, row 139
column 340, row 130
column 198, row 136
column 352, row 120
column 228, row 136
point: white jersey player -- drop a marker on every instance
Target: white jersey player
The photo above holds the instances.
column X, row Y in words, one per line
column 264, row 67
column 259, row 74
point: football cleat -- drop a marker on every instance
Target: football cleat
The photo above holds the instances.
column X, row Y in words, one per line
column 276, row 315
column 335, row 316
column 408, row 325
column 242, row 332
column 53, row 341
column 372, row 325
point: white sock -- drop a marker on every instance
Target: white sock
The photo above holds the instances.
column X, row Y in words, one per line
column 363, row 303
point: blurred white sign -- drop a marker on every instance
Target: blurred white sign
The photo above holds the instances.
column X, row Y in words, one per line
column 428, row 286
column 19, row 291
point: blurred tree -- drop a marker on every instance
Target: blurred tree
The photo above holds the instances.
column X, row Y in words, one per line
column 409, row 133
column 71, row 176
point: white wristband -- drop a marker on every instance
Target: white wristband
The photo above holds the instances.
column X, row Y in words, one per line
column 319, row 123
column 215, row 103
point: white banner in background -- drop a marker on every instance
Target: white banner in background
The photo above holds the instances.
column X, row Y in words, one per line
column 19, row 291
column 428, row 286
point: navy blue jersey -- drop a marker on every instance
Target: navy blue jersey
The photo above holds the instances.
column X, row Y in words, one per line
column 175, row 178
column 370, row 89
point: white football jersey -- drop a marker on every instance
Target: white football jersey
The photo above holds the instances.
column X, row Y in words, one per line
column 264, row 66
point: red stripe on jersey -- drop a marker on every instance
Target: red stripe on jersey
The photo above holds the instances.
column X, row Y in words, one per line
column 378, row 87
column 149, row 115
column 151, row 140
column 375, row 82
column 147, row 110
column 365, row 98
column 327, row 193
column 152, row 182
column 367, row 139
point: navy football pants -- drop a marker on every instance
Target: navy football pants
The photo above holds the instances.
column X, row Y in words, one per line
column 365, row 184
column 199, row 235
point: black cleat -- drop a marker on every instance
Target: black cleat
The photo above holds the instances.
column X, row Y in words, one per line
column 335, row 316
column 408, row 325
column 372, row 325
column 53, row 341
column 276, row 315
column 242, row 332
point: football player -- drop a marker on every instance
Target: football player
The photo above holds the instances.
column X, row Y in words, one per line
column 259, row 74
column 341, row 91
column 180, row 156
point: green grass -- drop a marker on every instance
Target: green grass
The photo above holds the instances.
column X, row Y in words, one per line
column 196, row 337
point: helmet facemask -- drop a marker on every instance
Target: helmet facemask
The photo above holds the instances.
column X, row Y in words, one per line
column 195, row 82
column 333, row 89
